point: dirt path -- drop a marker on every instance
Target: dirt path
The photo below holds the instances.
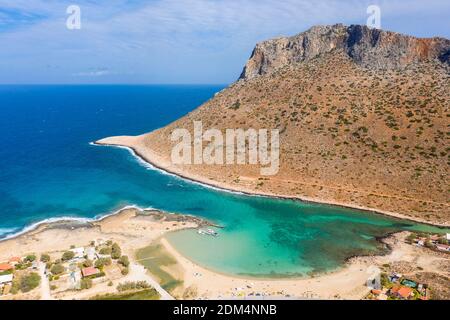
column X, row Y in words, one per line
column 45, row 285
column 139, row 273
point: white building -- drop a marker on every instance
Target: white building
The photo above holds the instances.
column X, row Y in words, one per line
column 74, row 279
column 79, row 252
column 90, row 253
column 6, row 278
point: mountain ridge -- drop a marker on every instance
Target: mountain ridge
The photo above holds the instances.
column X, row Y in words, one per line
column 371, row 48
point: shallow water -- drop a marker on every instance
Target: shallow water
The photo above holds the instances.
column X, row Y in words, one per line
column 49, row 169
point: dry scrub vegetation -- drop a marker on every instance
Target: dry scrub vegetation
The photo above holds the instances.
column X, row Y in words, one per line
column 349, row 135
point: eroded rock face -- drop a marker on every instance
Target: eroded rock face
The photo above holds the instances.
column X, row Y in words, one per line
column 370, row 48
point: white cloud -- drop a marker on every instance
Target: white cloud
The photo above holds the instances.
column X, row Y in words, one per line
column 179, row 41
column 93, row 73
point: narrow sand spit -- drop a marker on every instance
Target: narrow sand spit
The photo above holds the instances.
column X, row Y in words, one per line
column 136, row 144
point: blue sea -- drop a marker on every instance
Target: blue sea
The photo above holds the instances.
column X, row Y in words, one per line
column 49, row 170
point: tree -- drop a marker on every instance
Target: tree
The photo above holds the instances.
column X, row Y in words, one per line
column 68, row 255
column 45, row 258
column 116, row 252
column 428, row 243
column 105, row 250
column 87, row 263
column 100, row 263
column 410, row 238
column 30, row 258
column 130, row 285
column 57, row 269
column 125, row 271
column 86, row 283
column 29, row 282
column 124, row 261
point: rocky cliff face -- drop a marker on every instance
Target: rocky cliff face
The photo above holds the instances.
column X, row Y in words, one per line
column 370, row 48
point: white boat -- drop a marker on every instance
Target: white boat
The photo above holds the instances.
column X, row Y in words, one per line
column 209, row 232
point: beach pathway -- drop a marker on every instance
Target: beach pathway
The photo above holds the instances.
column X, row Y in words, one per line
column 139, row 273
column 45, row 285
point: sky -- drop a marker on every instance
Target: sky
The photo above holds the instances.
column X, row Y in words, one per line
column 175, row 41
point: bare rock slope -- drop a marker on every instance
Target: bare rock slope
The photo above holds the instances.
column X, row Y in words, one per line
column 363, row 118
column 371, row 48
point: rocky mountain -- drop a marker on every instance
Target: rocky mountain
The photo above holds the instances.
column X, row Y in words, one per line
column 363, row 117
column 370, row 48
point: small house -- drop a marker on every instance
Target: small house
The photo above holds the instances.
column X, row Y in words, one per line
column 6, row 278
column 78, row 252
column 443, row 247
column 89, row 271
column 394, row 277
column 5, row 267
column 402, row 292
column 90, row 253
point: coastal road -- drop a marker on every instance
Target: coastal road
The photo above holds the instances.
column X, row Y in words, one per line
column 45, row 285
column 139, row 273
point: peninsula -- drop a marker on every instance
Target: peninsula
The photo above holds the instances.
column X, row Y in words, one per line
column 362, row 116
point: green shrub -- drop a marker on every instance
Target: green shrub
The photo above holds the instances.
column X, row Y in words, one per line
column 129, row 285
column 124, row 261
column 86, row 283
column 105, row 250
column 100, row 263
column 68, row 255
column 29, row 282
column 30, row 258
column 116, row 252
column 87, row 263
column 57, row 269
column 45, row 258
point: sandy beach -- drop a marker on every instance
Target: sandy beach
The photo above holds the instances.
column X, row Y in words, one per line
column 131, row 228
column 347, row 283
column 134, row 229
column 137, row 145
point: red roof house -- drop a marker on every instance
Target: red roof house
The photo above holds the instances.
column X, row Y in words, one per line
column 5, row 267
column 89, row 271
column 375, row 291
column 402, row 292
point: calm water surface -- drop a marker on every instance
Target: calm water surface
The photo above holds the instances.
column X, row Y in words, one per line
column 48, row 170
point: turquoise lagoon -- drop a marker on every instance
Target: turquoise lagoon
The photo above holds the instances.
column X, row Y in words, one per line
column 50, row 170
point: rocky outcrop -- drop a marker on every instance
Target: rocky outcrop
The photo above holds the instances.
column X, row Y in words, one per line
column 370, row 48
